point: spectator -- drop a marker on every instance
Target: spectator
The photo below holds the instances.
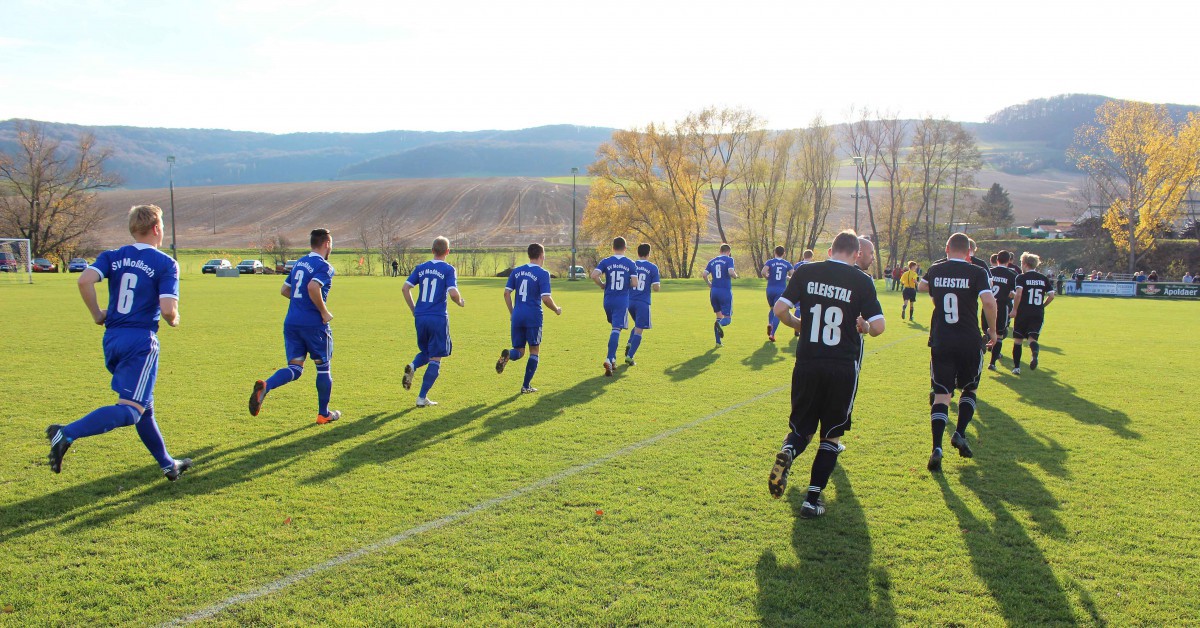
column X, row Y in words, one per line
column 1153, row 276
column 1139, row 276
column 1187, row 277
column 1079, row 279
column 1108, row 277
column 1062, row 278
column 896, row 272
column 395, row 268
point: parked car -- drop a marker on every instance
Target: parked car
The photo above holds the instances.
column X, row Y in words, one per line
column 212, row 265
column 289, row 265
column 250, row 267
column 9, row 263
column 577, row 273
column 77, row 265
column 43, row 265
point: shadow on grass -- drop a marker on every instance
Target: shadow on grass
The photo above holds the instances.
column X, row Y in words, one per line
column 212, row 473
column 1042, row 389
column 763, row 356
column 547, row 406
column 403, row 443
column 1005, row 557
column 690, row 368
column 834, row 582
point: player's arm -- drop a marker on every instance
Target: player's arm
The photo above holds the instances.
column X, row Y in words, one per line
column 456, row 296
column 923, row 286
column 633, row 280
column 285, row 291
column 1048, row 298
column 655, row 287
column 314, row 295
column 87, row 289
column 766, row 271
column 596, row 274
column 733, row 273
column 170, row 310
column 989, row 310
column 1016, row 301
column 548, row 301
column 783, row 310
column 706, row 277
column 408, row 297
column 508, row 299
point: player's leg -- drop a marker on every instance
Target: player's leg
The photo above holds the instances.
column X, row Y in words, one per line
column 534, row 336
column 837, row 395
column 772, row 320
column 715, row 301
column 323, row 359
column 970, row 371
column 295, row 348
column 518, row 347
column 422, row 357
column 802, row 424
column 1033, row 345
column 619, row 317
column 147, row 429
column 1001, row 334
column 1019, row 335
column 942, row 373
column 439, row 347
column 641, row 322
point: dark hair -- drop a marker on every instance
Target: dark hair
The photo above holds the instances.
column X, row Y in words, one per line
column 1003, row 257
column 959, row 243
column 643, row 250
column 536, row 250
column 779, row 250
column 618, row 243
column 845, row 242
column 725, row 248
column 318, row 237
column 807, row 253
column 994, row 258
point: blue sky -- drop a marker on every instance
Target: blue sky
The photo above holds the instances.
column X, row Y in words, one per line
column 302, row 65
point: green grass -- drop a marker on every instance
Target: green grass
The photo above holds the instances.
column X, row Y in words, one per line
column 1079, row 506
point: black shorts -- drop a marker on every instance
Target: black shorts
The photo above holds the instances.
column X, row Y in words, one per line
column 823, row 396
column 1001, row 323
column 910, row 294
column 1027, row 326
column 953, row 368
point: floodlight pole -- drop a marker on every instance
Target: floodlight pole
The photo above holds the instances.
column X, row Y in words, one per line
column 171, row 163
column 214, row 212
column 571, row 274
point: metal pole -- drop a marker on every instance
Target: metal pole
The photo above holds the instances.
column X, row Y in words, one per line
column 571, row 274
column 214, row 211
column 171, row 161
column 857, row 162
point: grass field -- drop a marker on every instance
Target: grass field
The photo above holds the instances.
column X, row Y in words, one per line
column 639, row 499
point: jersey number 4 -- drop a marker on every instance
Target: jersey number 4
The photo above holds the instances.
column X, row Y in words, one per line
column 831, row 332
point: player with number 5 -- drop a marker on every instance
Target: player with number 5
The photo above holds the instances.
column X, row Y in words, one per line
column 306, row 331
column 143, row 288
column 956, row 352
column 435, row 280
column 837, row 303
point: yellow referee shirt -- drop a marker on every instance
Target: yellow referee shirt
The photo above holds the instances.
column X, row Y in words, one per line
column 909, row 279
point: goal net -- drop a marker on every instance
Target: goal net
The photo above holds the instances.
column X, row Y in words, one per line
column 16, row 263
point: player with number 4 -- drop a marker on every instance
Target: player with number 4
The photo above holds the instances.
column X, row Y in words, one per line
column 530, row 284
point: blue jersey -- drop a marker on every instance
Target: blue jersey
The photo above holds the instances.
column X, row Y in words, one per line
column 647, row 274
column 528, row 283
column 617, row 270
column 138, row 276
column 433, row 280
column 719, row 267
column 302, row 312
column 777, row 274
column 799, row 264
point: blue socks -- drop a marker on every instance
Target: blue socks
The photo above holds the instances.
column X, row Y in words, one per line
column 614, row 339
column 726, row 321
column 101, row 420
column 773, row 321
column 420, row 360
column 431, row 375
column 284, row 376
column 324, row 388
column 147, row 430
column 635, row 341
column 515, row 354
column 530, row 369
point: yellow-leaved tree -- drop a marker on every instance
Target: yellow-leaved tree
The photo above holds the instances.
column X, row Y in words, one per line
column 1143, row 164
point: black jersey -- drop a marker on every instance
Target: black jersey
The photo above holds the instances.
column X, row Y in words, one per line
column 831, row 295
column 955, row 286
column 976, row 261
column 1034, row 287
column 1003, row 284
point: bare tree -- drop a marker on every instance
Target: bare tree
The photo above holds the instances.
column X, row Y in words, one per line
column 366, row 253
column 862, row 139
column 724, row 132
column 817, row 169
column 47, row 193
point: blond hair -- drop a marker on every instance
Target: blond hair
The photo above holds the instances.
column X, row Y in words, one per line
column 441, row 245
column 143, row 218
column 1031, row 260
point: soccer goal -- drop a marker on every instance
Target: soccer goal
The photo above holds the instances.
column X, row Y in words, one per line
column 16, row 262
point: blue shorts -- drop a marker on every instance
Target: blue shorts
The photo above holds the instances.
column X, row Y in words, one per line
column 525, row 335
column 433, row 336
column 721, row 302
column 300, row 341
column 772, row 297
column 617, row 311
column 639, row 311
column 131, row 355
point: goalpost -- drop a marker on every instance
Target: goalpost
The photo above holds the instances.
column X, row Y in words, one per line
column 16, row 261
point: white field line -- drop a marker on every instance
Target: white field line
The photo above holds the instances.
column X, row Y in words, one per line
column 376, row 547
